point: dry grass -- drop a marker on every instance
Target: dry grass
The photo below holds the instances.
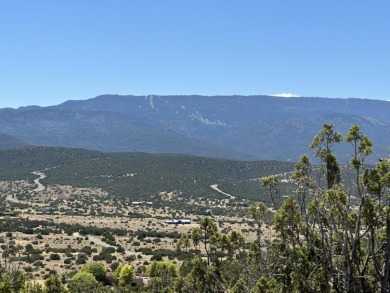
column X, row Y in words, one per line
column 92, row 198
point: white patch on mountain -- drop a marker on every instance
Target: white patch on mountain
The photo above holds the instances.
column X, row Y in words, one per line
column 206, row 121
column 286, row 95
column 151, row 102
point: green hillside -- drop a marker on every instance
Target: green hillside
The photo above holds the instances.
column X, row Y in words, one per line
column 138, row 175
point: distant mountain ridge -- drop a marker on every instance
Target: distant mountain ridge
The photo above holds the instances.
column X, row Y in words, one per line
column 236, row 127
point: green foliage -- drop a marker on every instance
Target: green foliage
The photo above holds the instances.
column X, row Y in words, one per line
column 265, row 285
column 5, row 284
column 162, row 269
column 126, row 275
column 324, row 140
column 55, row 256
column 330, row 235
column 84, row 282
column 361, row 144
column 54, row 285
column 32, row 287
column 97, row 269
column 288, row 222
column 117, row 272
column 204, row 278
column 240, row 287
column 162, row 275
column 123, row 275
column 322, row 145
column 272, row 184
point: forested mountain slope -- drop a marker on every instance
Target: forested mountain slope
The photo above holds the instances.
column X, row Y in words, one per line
column 8, row 142
column 235, row 127
column 138, row 176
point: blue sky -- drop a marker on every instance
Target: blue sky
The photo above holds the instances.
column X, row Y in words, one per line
column 53, row 51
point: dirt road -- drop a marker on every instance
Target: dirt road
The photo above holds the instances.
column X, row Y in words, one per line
column 215, row 187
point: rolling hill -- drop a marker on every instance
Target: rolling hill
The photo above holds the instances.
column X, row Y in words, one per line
column 138, row 175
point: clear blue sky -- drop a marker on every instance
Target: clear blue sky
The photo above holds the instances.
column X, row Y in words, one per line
column 52, row 51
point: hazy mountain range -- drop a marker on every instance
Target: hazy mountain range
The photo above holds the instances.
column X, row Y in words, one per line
column 235, row 127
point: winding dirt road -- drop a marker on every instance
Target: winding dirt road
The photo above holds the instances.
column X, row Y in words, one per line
column 215, row 187
column 40, row 186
